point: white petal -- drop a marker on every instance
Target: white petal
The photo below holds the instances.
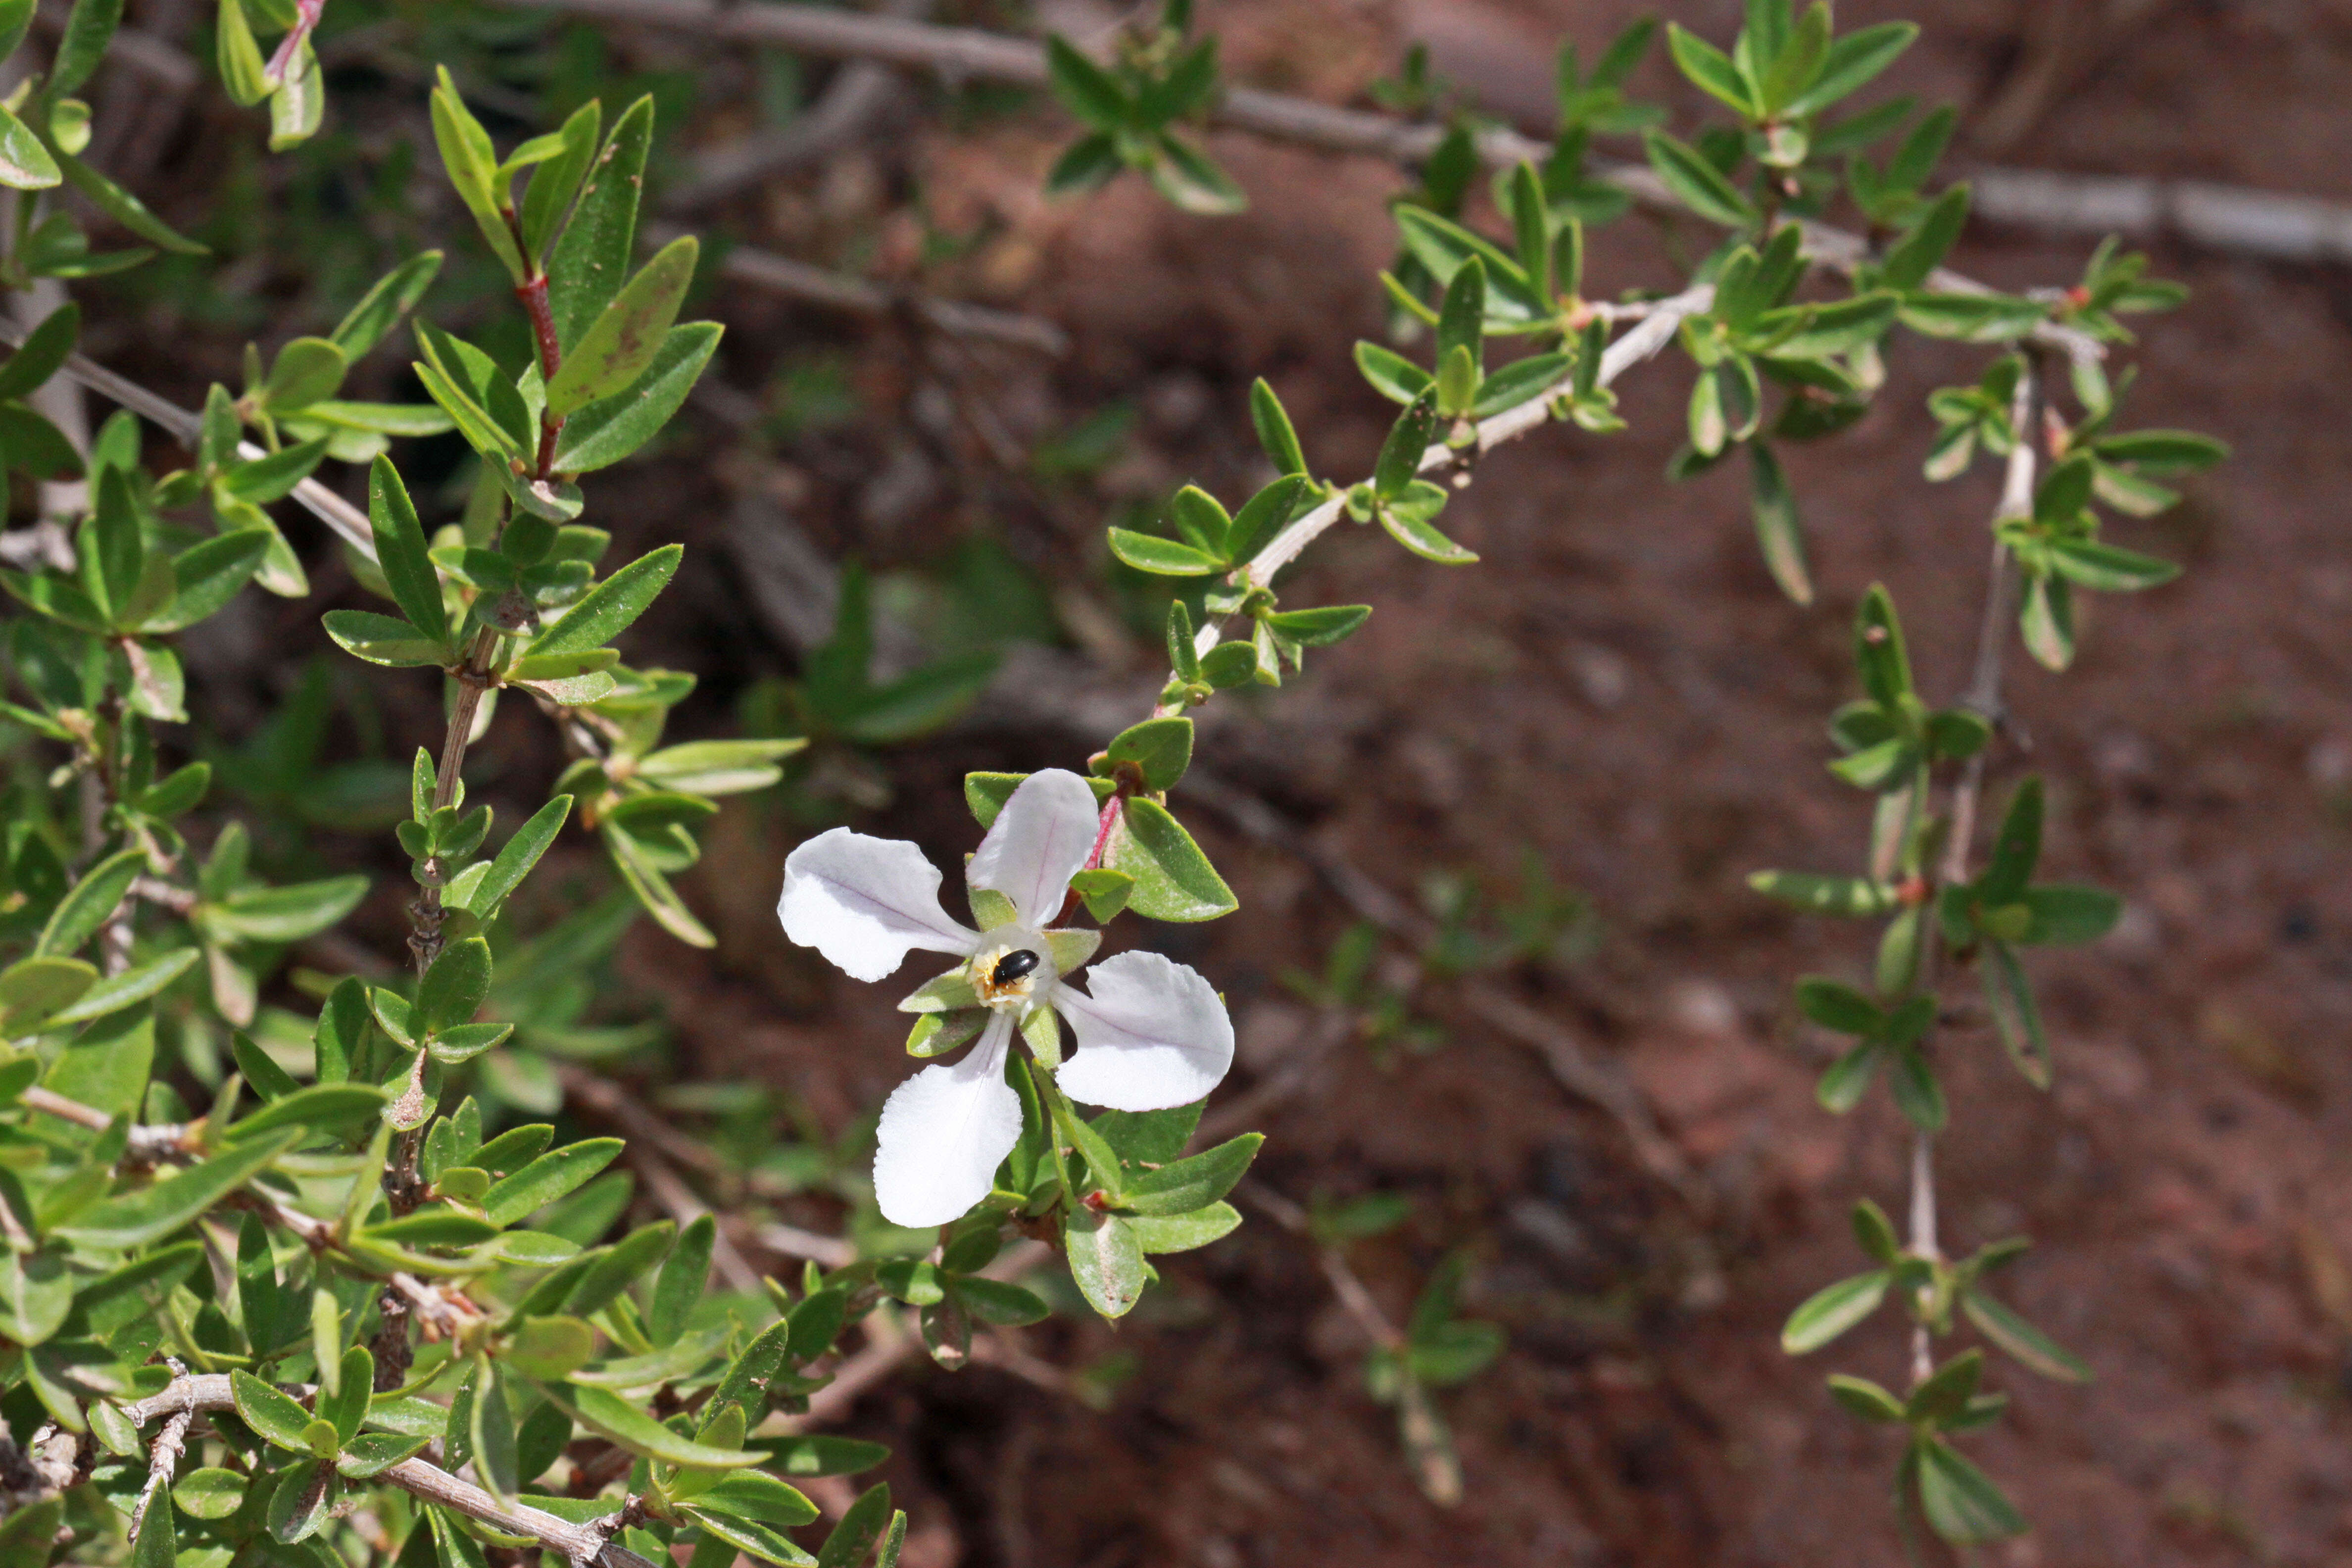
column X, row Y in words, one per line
column 1037, row 843
column 864, row 901
column 943, row 1134
column 1154, row 1033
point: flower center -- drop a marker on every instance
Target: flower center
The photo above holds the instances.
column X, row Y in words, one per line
column 1012, row 971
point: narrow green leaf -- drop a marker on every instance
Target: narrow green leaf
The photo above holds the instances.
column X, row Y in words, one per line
column 608, row 608
column 550, row 1176
column 1831, row 1311
column 614, row 426
column 591, row 258
column 401, row 550
column 1695, row 182
column 622, row 343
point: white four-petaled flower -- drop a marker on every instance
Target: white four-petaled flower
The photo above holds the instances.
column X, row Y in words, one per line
column 1152, row 1034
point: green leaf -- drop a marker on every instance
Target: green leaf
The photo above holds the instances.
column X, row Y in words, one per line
column 1085, row 89
column 87, row 906
column 554, row 184
column 994, row 1301
column 1962, row 1504
column 380, row 309
column 89, row 28
column 1185, row 1185
column 1406, row 520
column 400, row 552
column 607, row 609
column 1274, row 432
column 1844, row 1082
column 208, row 1494
column 2022, row 1341
column 320, row 1105
column 617, row 1420
column 1183, row 1232
column 273, row 1414
column 453, row 990
column 2107, row 568
column 1106, row 1259
column 1263, row 516
column 302, row 1502
column 143, row 1217
column 1162, row 557
column 206, row 576
column 157, row 1546
column 591, row 258
column 473, row 168
column 515, row 858
column 45, row 349
column 33, row 991
column 1852, row 898
column 1161, row 748
column 1522, row 381
column 1833, row 1310
column 1875, row 1233
column 614, row 426
column 125, row 209
column 1798, row 61
column 1840, row 1008
column 2010, row 995
column 1695, row 182
column 1918, row 1095
column 1173, row 880
column 754, row 1494
column 1778, row 531
column 550, row 1176
column 1972, row 318
column 1851, row 62
column 1202, row 521
column 2066, row 913
column 36, row 1292
column 1190, row 181
column 289, row 913
column 1321, row 627
column 547, row 1348
column 1400, row 453
column 1864, row 1398
column 384, row 640
column 624, row 339
column 25, row 163
column 1710, row 70
column 1086, row 164
column 858, row 1531
column 1922, row 249
column 2016, row 849
column 1461, row 325
column 306, row 371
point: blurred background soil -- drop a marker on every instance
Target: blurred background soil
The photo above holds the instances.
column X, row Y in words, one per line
column 1619, row 690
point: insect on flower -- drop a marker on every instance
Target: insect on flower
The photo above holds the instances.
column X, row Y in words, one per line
column 1151, row 1033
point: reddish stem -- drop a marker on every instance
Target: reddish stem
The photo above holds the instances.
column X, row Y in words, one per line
column 533, row 295
column 1110, row 815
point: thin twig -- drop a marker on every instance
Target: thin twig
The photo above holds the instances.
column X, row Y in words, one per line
column 187, row 428
column 580, row 1544
column 164, row 1461
column 1983, row 697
